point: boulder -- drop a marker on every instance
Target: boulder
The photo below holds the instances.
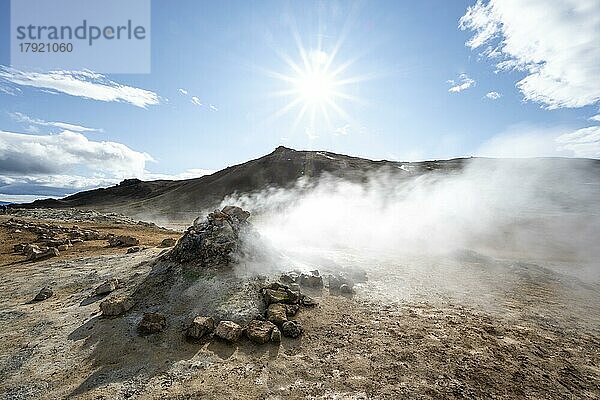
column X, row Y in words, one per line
column 200, row 326
column 229, row 331
column 152, row 323
column 346, row 289
column 44, row 294
column 133, row 249
column 291, row 329
column 277, row 313
column 276, row 335
column 37, row 253
column 340, row 279
column 259, row 331
column 290, row 277
column 116, row 305
column 308, row 301
column 108, row 286
column 168, row 242
column 291, row 309
column 278, row 296
column 19, row 248
column 122, row 241
column 311, row 280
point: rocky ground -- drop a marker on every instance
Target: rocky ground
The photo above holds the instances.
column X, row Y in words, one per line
column 496, row 329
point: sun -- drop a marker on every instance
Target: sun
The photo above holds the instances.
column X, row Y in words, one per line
column 315, row 87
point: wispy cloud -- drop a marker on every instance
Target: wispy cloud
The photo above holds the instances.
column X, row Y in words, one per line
column 493, row 95
column 595, row 118
column 83, row 84
column 463, row 83
column 532, row 141
column 182, row 91
column 32, row 122
column 342, row 130
column 555, row 42
column 187, row 174
column 213, row 107
column 196, row 101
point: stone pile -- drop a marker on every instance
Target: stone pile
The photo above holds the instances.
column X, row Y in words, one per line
column 215, row 241
column 51, row 239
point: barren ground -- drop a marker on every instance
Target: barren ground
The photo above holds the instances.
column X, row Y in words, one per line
column 536, row 335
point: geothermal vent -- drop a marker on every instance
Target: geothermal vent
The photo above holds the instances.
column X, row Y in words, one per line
column 216, row 241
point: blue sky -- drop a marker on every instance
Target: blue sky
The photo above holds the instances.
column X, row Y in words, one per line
column 405, row 57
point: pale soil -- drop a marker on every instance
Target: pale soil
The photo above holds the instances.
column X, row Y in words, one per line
column 403, row 335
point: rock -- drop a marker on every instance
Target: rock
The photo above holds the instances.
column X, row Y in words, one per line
column 229, row 331
column 311, row 280
column 291, row 309
column 168, row 242
column 280, row 296
column 294, row 287
column 200, row 326
column 276, row 335
column 19, row 248
column 108, row 286
column 152, row 323
column 338, row 280
column 116, row 305
column 346, row 289
column 277, row 313
column 216, row 241
column 36, row 253
column 122, row 241
column 308, row 301
column 63, row 247
column 259, row 331
column 133, row 249
column 44, row 294
column 291, row 329
column 290, row 277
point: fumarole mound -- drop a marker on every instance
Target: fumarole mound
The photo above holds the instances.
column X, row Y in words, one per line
column 216, row 241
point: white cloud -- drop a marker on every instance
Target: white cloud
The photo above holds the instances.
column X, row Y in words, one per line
column 493, row 95
column 196, row 101
column 24, row 155
column 83, row 84
column 19, row 117
column 187, row 174
column 310, row 133
column 183, row 91
column 213, row 107
column 554, row 42
column 583, row 142
column 527, row 141
column 463, row 83
column 595, row 118
column 342, row 130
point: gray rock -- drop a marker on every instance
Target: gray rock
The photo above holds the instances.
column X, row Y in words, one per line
column 133, row 249
column 200, row 326
column 123, row 241
column 152, row 323
column 276, row 335
column 259, row 331
column 44, row 294
column 292, row 329
column 168, row 242
column 229, row 331
column 311, row 280
column 308, row 301
column 108, row 286
column 291, row 309
column 277, row 313
column 116, row 305
column 346, row 289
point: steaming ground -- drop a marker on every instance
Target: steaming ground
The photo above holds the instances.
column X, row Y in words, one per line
column 481, row 284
